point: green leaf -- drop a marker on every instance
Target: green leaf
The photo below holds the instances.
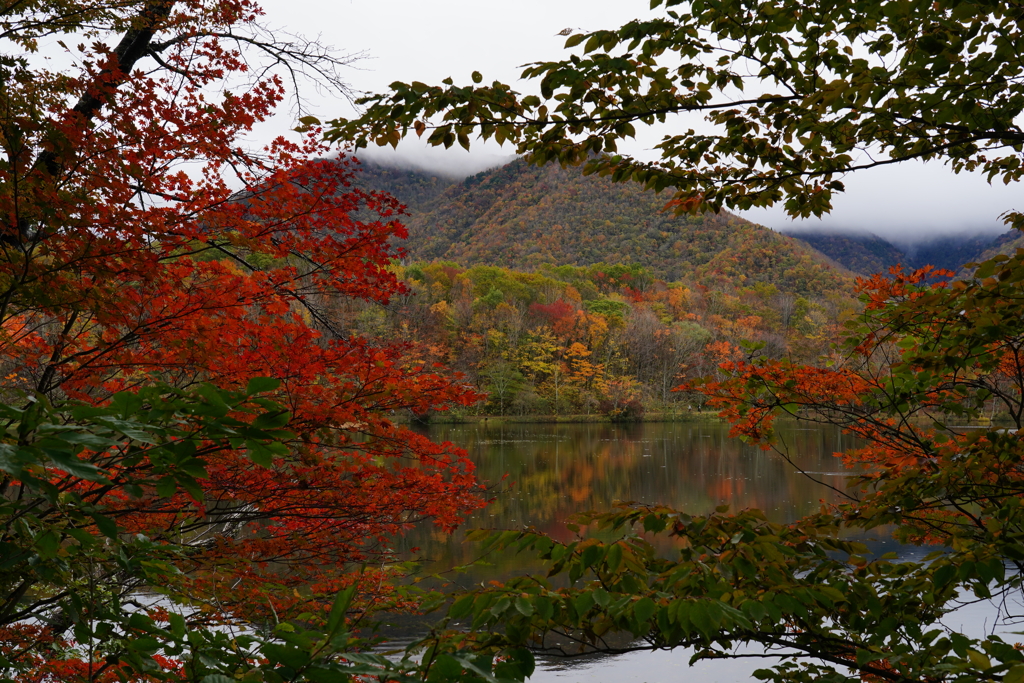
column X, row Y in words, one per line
column 73, row 466
column 591, row 554
column 979, row 660
column 336, row 618
column 145, row 644
column 445, row 668
column 544, row 607
column 217, row 678
column 133, row 430
column 654, row 523
column 262, row 385
column 259, row 453
column 47, row 544
column 274, row 420
column 1015, row 674
column 698, row 614
column 461, row 607
column 166, row 487
column 644, row 609
column 518, row 665
column 986, row 269
column 177, row 624
column 583, row 602
column 286, row 654
column 215, row 405
column 81, row 535
column 613, row 559
column 945, row 574
column 9, row 460
column 141, row 622
column 574, row 40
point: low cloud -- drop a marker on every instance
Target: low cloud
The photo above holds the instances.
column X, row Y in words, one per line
column 909, row 203
column 453, row 163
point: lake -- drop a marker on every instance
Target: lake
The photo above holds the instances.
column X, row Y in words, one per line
column 544, row 473
column 556, row 470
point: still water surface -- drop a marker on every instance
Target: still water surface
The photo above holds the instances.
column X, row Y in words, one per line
column 544, row 473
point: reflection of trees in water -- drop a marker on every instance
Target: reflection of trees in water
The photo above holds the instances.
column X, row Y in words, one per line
column 561, row 469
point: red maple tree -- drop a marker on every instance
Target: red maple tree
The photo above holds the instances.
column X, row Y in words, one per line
column 141, row 242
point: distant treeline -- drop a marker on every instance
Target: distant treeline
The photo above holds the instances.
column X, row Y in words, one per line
column 601, row 339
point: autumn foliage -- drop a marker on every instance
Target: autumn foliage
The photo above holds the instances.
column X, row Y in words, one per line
column 923, row 364
column 141, row 246
column 929, row 378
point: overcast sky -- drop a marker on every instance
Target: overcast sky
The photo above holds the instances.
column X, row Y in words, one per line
column 408, row 40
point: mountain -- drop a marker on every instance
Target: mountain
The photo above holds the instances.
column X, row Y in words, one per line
column 866, row 253
column 861, row 252
column 951, row 252
column 1007, row 243
column 522, row 216
column 414, row 188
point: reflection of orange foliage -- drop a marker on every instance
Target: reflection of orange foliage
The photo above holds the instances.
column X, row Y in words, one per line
column 726, row 489
column 580, row 481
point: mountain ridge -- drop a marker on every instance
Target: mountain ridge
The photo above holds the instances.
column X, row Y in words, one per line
column 523, row 216
column 864, row 252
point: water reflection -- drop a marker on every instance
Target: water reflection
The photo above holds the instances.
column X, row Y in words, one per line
column 556, row 470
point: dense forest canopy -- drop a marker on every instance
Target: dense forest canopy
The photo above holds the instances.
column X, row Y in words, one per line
column 605, row 339
column 866, row 253
column 521, row 217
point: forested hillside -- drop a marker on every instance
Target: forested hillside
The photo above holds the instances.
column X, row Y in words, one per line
column 861, row 252
column 602, row 339
column 522, row 217
column 414, row 188
column 951, row 252
column 1007, row 244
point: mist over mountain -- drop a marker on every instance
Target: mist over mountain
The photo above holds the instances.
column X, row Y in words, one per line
column 865, row 252
column 523, row 217
column 455, row 163
column 861, row 252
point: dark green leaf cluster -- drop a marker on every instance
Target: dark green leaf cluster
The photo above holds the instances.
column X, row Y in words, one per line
column 795, row 91
column 796, row 591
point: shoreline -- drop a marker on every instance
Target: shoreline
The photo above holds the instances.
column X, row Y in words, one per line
column 694, row 416
column 441, row 418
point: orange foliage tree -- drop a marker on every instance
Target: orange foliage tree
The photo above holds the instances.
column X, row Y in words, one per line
column 927, row 366
column 931, row 378
column 144, row 252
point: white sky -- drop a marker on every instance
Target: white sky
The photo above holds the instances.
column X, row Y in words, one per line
column 410, row 40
